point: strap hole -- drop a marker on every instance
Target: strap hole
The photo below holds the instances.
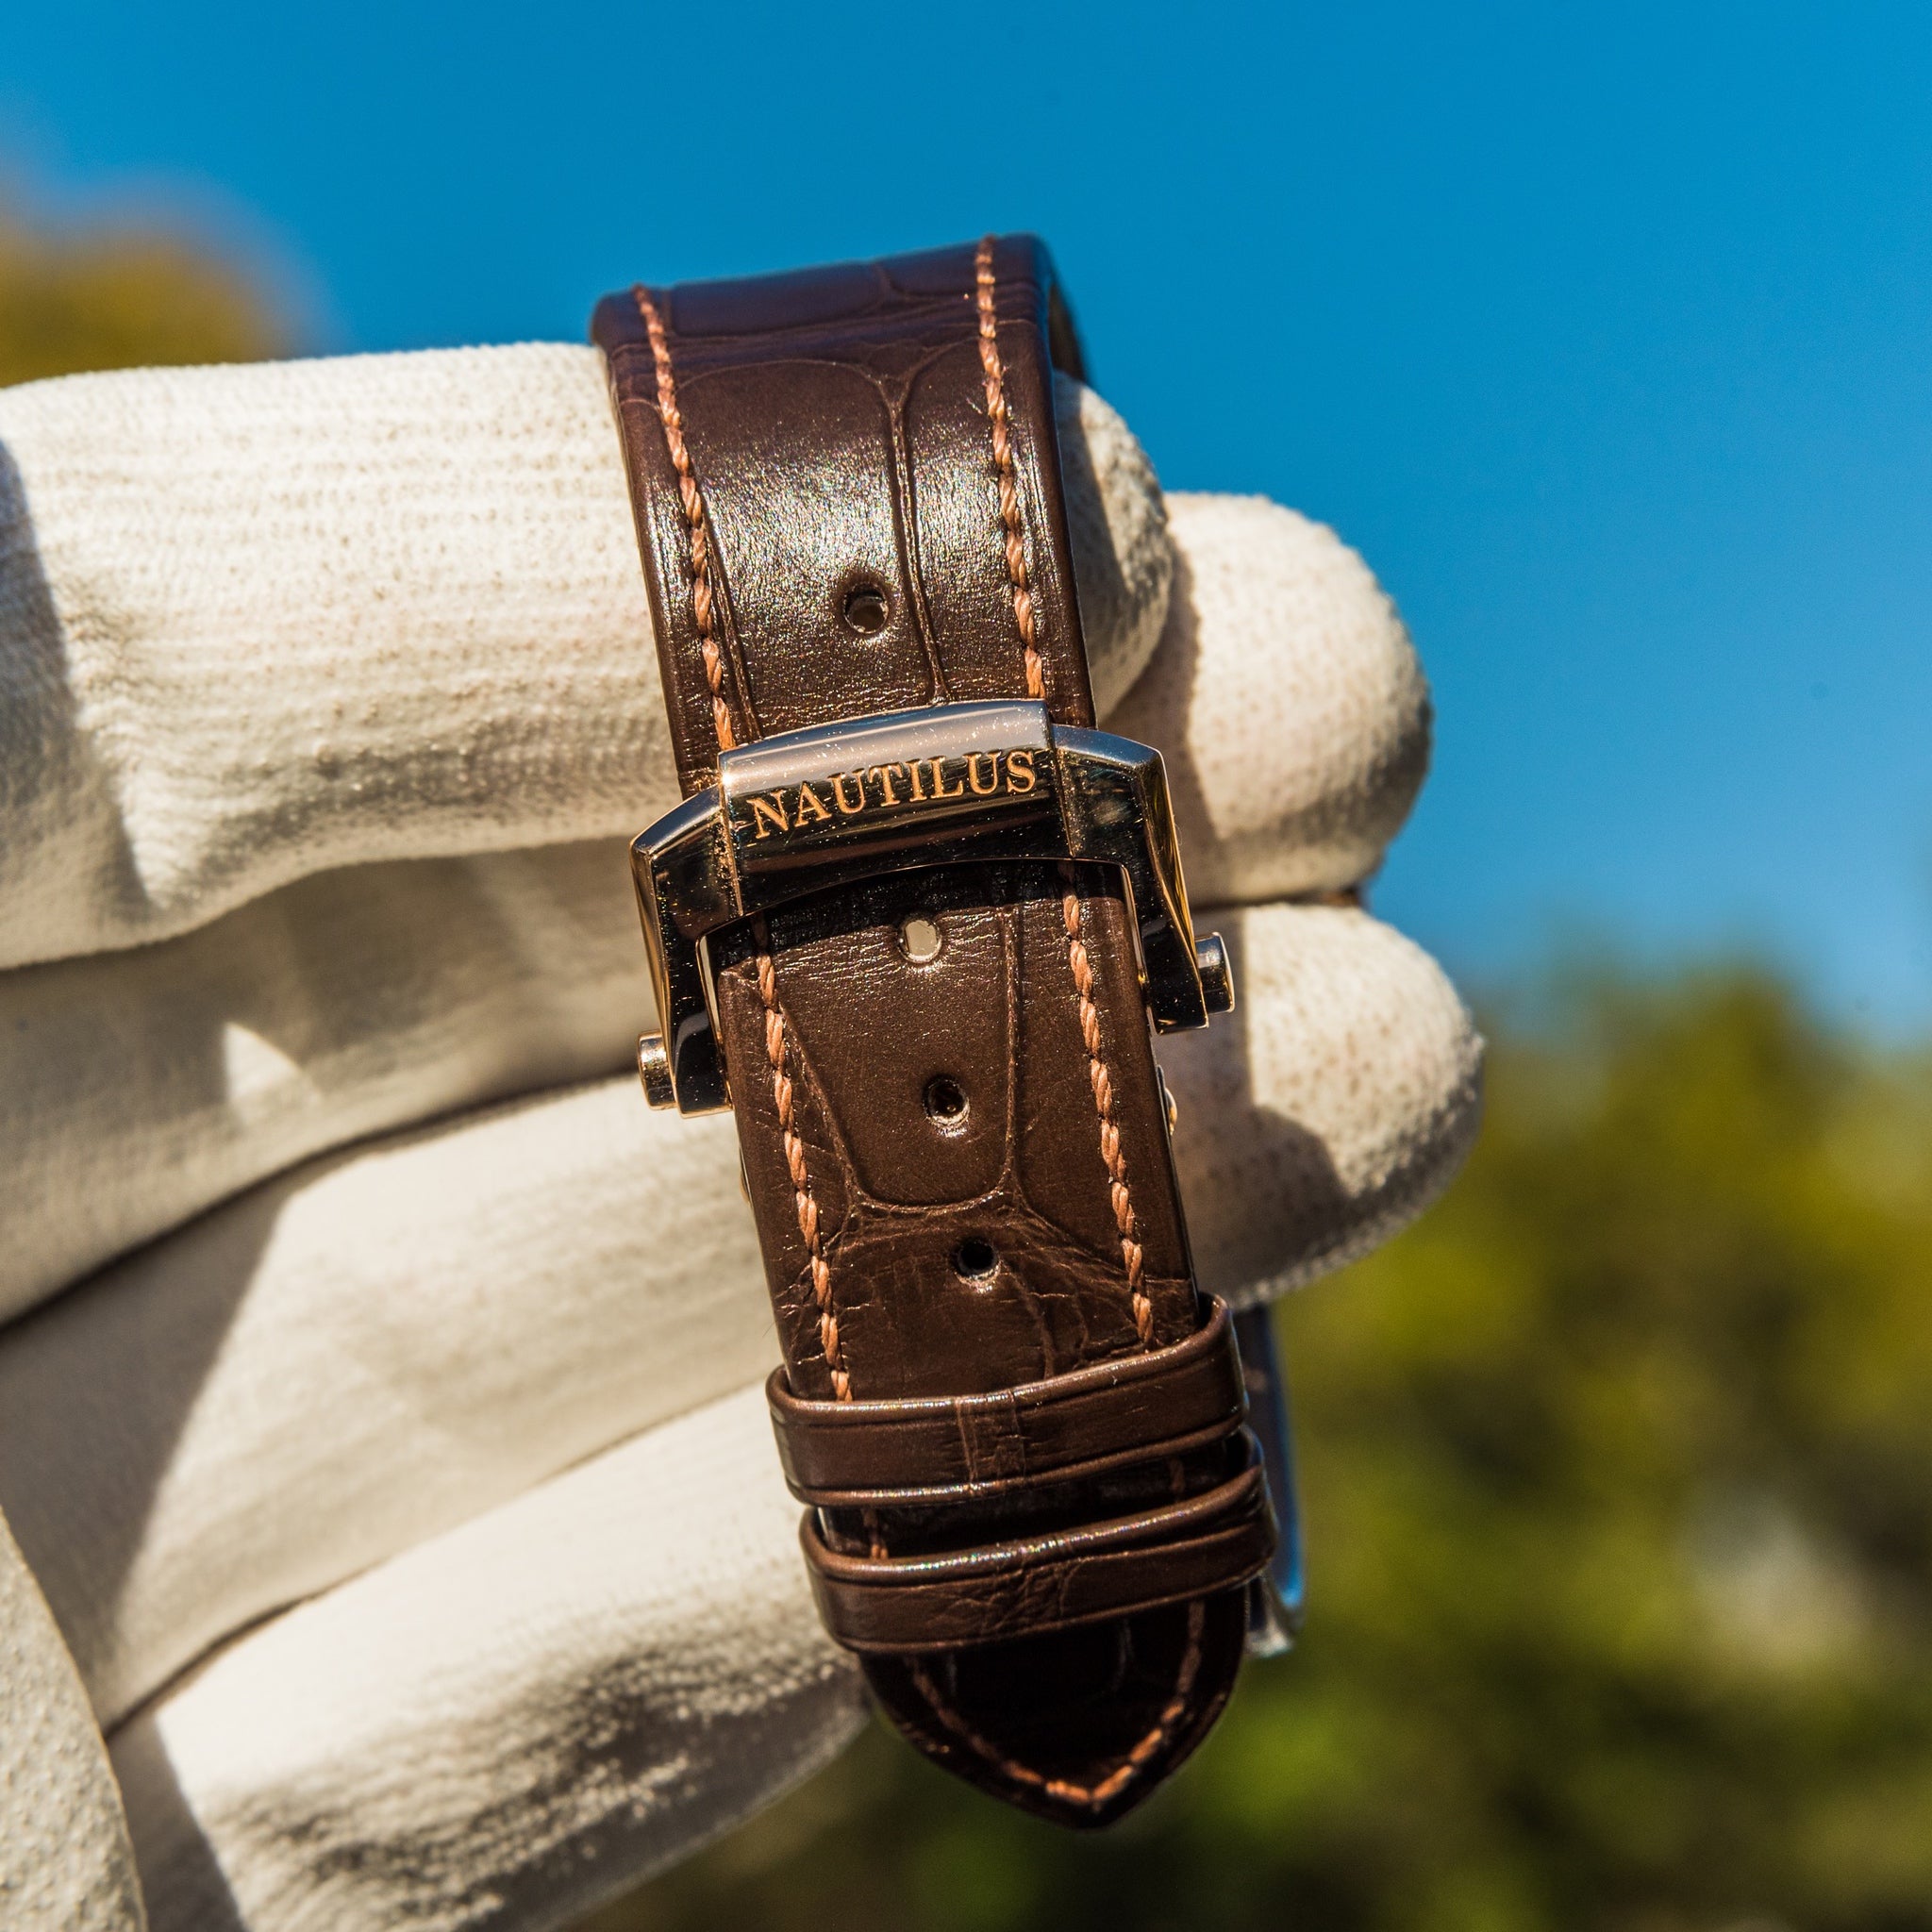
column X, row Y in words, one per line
column 973, row 1259
column 919, row 939
column 866, row 608
column 946, row 1101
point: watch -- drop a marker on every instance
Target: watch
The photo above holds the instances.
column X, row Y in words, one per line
column 917, row 922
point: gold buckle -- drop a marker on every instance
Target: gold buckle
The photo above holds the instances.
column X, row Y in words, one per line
column 952, row 784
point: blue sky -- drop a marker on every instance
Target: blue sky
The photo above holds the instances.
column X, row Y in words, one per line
column 1606, row 334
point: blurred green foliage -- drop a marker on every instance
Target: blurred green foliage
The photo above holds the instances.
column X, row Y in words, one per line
column 114, row 300
column 1618, row 1477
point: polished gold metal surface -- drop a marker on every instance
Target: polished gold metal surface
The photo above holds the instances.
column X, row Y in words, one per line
column 838, row 803
column 654, row 1068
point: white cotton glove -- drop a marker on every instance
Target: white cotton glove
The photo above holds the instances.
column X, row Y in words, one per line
column 378, row 1405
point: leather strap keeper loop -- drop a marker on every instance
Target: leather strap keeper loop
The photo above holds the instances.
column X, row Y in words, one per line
column 856, row 1455
column 999, row 1592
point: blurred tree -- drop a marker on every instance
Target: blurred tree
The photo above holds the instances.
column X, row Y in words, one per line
column 111, row 300
column 1619, row 1487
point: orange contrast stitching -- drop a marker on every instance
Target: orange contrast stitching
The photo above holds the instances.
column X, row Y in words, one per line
column 1003, row 462
column 1123, row 1774
column 804, row 1199
column 1110, row 1128
column 693, row 516
column 1077, row 951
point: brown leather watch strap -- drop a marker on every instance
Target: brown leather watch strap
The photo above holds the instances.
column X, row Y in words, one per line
column 1135, row 1408
column 1051, row 1581
column 848, row 498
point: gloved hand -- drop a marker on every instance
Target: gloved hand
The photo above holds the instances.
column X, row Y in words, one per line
column 379, row 1415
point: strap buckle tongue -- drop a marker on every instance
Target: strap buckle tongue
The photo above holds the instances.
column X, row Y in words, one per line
column 827, row 807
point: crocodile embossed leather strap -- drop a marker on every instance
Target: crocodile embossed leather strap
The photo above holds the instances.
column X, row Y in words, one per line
column 912, row 924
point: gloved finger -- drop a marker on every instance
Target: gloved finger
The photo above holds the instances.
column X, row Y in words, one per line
column 1287, row 701
column 413, row 1332
column 257, row 623
column 263, row 622
column 65, row 1861
column 140, row 1087
column 401, row 1337
column 511, row 1723
column 1329, row 1109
